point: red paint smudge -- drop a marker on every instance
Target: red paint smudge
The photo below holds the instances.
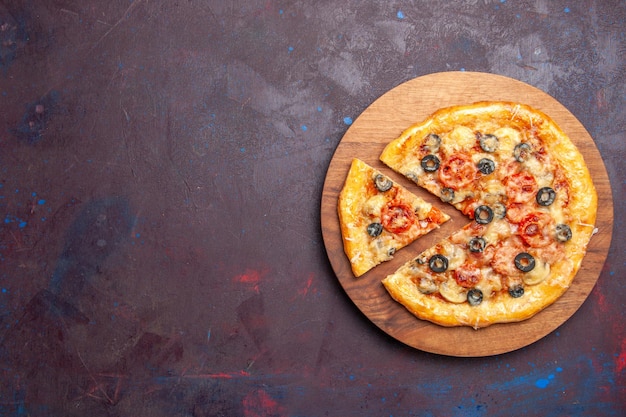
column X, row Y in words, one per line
column 260, row 404
column 303, row 292
column 250, row 278
column 602, row 303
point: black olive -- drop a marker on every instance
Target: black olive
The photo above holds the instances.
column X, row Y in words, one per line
column 430, row 163
column 391, row 251
column 525, row 262
column 447, row 195
column 486, row 166
column 420, row 260
column 382, row 183
column 477, row 244
column 545, row 196
column 483, row 215
column 563, row 232
column 516, row 291
column 489, row 143
column 521, row 152
column 499, row 211
column 374, row 229
column 438, row 263
column 474, row 297
column 432, row 142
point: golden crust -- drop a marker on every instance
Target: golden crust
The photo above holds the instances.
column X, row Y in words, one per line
column 580, row 211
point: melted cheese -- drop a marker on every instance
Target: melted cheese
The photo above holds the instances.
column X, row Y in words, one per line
column 460, row 138
column 538, row 273
column 496, row 231
column 508, row 137
column 423, row 210
column 455, row 254
column 374, row 205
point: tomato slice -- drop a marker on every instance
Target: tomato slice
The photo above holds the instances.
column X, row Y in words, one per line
column 457, row 171
column 521, row 187
column 467, row 275
column 397, row 217
column 503, row 261
column 536, row 229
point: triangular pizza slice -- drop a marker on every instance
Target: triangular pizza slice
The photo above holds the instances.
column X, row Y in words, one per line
column 378, row 217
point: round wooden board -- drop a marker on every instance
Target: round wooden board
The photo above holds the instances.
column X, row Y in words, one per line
column 382, row 122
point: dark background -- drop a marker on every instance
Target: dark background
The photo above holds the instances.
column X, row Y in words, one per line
column 161, row 169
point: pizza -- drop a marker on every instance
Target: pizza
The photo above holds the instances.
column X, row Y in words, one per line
column 378, row 217
column 530, row 200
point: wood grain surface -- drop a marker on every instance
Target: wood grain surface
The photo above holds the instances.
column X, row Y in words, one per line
column 382, row 122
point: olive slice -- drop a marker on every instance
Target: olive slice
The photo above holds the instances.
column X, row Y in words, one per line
column 516, row 291
column 438, row 263
column 486, row 166
column 374, row 229
column 477, row 244
column 430, row 163
column 432, row 142
column 447, row 195
column 489, row 143
column 420, row 260
column 499, row 211
column 524, row 262
column 474, row 297
column 391, row 251
column 522, row 151
column 563, row 233
column 545, row 196
column 483, row 215
column 382, row 183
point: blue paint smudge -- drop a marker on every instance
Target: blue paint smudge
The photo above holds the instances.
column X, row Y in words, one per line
column 290, row 49
column 400, row 14
column 566, row 10
column 304, row 128
column 100, row 229
column 12, row 37
column 9, row 218
column 347, row 120
column 542, row 383
column 319, row 108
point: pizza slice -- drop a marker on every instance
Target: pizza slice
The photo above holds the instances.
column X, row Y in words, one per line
column 378, row 217
column 467, row 156
column 482, row 274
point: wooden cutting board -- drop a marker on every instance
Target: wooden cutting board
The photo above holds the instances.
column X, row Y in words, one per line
column 382, row 122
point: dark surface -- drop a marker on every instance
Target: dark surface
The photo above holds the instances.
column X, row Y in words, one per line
column 161, row 168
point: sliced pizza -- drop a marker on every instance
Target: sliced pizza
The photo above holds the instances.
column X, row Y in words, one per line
column 378, row 217
column 525, row 185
